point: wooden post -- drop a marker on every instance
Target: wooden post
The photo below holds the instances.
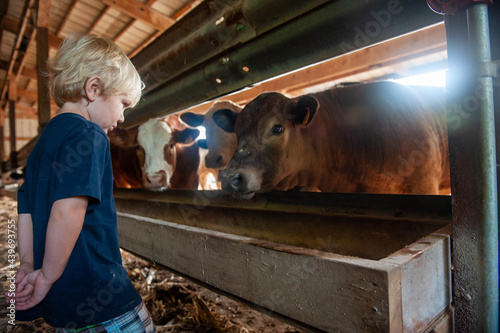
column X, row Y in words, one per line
column 12, row 120
column 2, row 147
column 42, row 55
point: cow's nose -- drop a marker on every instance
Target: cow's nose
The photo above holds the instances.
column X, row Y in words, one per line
column 156, row 179
column 236, row 181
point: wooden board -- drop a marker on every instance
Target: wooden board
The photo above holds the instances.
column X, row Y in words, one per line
column 314, row 289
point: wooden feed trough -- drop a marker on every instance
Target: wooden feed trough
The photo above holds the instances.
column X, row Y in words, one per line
column 320, row 268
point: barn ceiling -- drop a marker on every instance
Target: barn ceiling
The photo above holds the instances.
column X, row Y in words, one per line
column 132, row 24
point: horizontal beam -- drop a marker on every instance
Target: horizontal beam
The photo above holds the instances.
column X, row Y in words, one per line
column 142, row 12
column 417, row 208
column 210, row 29
column 393, row 52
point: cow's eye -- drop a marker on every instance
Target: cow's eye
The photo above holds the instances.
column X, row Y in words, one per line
column 278, row 129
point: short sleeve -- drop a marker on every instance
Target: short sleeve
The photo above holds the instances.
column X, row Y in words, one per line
column 22, row 201
column 80, row 165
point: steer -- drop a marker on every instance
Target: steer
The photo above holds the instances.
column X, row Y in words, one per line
column 218, row 147
column 379, row 137
column 153, row 147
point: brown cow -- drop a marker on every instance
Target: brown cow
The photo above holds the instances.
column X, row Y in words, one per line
column 127, row 172
column 218, row 147
column 147, row 155
column 379, row 137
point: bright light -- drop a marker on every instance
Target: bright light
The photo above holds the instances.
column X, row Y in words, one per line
column 434, row 79
column 202, row 133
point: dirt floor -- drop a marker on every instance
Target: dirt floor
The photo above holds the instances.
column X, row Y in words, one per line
column 176, row 305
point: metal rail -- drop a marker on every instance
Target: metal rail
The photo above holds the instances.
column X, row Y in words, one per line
column 488, row 225
column 471, row 128
column 416, row 208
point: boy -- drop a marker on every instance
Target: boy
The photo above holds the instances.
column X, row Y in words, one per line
column 71, row 272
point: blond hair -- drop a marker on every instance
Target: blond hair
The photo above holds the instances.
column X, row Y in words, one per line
column 81, row 57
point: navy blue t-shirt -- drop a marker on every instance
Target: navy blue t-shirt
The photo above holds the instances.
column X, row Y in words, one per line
column 72, row 158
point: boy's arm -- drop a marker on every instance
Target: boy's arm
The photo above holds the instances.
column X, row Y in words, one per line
column 25, row 244
column 64, row 227
column 65, row 224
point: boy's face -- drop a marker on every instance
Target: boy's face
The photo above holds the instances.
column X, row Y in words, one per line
column 107, row 112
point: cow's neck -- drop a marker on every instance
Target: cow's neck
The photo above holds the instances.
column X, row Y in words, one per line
column 312, row 156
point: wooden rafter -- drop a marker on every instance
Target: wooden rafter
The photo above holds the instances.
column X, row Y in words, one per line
column 143, row 12
column 15, row 50
column 55, row 41
column 176, row 16
column 66, row 17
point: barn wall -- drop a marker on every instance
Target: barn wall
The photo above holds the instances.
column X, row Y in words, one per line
column 26, row 129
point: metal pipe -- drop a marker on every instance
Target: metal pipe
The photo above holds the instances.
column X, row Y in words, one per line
column 212, row 27
column 479, row 39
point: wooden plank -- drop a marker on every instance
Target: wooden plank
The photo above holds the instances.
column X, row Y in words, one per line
column 282, row 279
column 42, row 54
column 9, row 24
column 425, row 279
column 12, row 95
column 424, row 208
column 43, row 14
column 12, row 129
column 140, row 11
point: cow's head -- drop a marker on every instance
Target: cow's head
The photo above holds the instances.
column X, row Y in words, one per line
column 155, row 143
column 267, row 131
column 219, row 143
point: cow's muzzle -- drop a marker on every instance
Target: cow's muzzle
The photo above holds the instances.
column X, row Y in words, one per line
column 236, row 184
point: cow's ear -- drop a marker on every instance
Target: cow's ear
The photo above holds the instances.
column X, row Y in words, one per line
column 202, row 143
column 225, row 119
column 123, row 138
column 305, row 110
column 192, row 119
column 187, row 135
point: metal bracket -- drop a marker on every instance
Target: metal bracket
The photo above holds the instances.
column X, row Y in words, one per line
column 454, row 6
column 488, row 68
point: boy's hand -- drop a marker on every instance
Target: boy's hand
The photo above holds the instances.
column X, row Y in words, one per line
column 32, row 290
column 24, row 269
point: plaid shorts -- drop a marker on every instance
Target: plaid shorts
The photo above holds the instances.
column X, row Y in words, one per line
column 137, row 320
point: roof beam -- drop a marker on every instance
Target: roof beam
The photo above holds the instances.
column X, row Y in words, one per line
column 10, row 24
column 15, row 49
column 142, row 12
column 176, row 16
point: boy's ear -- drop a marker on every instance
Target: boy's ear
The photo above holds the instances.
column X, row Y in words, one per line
column 93, row 88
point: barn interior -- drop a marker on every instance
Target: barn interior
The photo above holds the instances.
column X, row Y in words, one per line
column 320, row 250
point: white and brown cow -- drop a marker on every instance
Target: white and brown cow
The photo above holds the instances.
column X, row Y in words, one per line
column 218, row 147
column 154, row 148
column 379, row 137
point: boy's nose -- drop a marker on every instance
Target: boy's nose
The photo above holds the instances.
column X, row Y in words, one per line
column 122, row 118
